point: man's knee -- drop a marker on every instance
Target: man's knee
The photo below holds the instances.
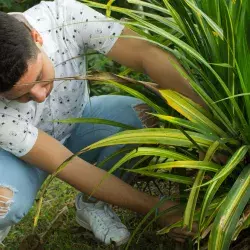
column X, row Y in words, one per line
column 143, row 113
column 11, row 212
column 6, row 200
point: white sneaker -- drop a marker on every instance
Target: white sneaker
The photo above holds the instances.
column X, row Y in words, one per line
column 4, row 233
column 102, row 221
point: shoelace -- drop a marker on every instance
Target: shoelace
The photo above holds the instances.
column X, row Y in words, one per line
column 106, row 216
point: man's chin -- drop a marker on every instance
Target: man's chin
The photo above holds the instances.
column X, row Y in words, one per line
column 52, row 86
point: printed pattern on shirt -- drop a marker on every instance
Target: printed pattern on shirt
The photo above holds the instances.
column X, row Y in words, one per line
column 68, row 29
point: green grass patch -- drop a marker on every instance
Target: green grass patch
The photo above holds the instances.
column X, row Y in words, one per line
column 65, row 233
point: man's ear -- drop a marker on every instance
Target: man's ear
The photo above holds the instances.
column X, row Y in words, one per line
column 36, row 37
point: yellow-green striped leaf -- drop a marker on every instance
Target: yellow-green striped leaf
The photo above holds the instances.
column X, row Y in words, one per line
column 228, row 216
column 163, row 176
column 200, row 165
column 215, row 185
column 211, row 23
column 96, row 121
column 243, row 223
column 162, row 136
column 193, row 197
column 147, row 151
column 186, row 124
column 182, row 105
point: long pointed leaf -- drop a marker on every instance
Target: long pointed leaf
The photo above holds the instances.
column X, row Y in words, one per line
column 168, row 177
column 214, row 186
column 96, row 121
column 230, row 212
column 203, row 165
column 154, row 136
column 193, row 197
column 176, row 101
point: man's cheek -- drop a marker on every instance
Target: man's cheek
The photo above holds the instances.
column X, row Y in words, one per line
column 24, row 99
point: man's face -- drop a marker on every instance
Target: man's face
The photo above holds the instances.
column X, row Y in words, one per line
column 40, row 69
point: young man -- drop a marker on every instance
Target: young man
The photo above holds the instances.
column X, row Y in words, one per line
column 44, row 43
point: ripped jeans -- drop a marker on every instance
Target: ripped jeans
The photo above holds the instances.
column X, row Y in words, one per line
column 20, row 182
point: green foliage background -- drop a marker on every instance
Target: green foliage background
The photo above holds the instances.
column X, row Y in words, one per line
column 22, row 5
column 16, row 5
column 211, row 39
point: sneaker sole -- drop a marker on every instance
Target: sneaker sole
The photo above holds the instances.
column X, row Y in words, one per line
column 87, row 226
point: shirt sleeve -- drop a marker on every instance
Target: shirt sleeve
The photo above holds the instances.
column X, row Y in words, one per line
column 89, row 28
column 17, row 135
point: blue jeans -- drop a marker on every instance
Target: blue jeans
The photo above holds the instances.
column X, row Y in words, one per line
column 25, row 180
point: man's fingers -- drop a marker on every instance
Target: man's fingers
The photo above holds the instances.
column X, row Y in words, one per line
column 183, row 233
column 176, row 237
column 201, row 156
column 180, row 240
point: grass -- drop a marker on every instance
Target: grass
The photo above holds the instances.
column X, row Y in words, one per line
column 65, row 233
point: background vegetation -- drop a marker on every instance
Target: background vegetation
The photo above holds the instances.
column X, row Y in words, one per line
column 16, row 5
column 211, row 39
column 57, row 225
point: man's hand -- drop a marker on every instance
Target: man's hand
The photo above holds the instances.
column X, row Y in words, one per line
column 178, row 234
column 218, row 158
column 48, row 154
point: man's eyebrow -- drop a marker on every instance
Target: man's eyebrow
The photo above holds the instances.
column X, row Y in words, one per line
column 37, row 80
column 39, row 76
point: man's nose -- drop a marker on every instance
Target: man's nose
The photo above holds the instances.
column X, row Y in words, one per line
column 38, row 93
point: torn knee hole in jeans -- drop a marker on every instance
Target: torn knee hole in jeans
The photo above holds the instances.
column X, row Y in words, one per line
column 6, row 199
column 148, row 120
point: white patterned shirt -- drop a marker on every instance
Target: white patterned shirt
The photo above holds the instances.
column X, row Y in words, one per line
column 68, row 29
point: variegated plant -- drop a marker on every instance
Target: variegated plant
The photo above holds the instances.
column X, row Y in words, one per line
column 211, row 39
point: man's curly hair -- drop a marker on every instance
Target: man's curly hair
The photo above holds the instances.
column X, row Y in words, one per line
column 17, row 48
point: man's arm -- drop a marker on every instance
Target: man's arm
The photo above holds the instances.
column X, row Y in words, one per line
column 47, row 154
column 153, row 61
